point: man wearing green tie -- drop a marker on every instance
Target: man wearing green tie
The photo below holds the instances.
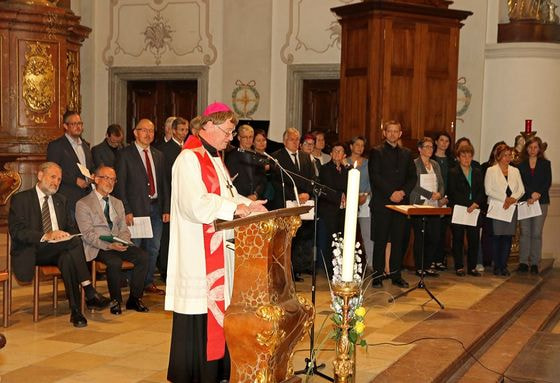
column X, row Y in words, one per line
column 102, row 222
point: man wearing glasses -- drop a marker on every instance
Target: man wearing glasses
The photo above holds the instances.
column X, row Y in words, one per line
column 242, row 164
column 101, row 218
column 143, row 189
column 67, row 151
column 200, row 272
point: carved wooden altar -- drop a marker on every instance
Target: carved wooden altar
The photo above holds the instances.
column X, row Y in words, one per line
column 266, row 318
column 40, row 78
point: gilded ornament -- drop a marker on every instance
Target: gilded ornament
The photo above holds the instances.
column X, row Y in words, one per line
column 267, row 228
column 271, row 338
column 72, row 81
column 38, row 88
column 263, row 376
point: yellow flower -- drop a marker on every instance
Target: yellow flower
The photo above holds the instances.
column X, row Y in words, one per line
column 359, row 327
column 360, row 311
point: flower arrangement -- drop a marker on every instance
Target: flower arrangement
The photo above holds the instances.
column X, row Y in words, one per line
column 356, row 312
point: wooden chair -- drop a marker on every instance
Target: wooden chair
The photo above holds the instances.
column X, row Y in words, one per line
column 45, row 273
column 10, row 182
column 100, row 267
column 4, row 276
column 41, row 273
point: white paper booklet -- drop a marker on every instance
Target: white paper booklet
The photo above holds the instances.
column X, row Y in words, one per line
column 462, row 217
column 528, row 211
column 141, row 228
column 496, row 211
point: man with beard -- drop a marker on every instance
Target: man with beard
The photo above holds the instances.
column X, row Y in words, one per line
column 39, row 216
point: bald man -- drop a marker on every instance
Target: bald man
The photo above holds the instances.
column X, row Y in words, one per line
column 144, row 191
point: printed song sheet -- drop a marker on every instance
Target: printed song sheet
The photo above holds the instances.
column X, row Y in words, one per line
column 496, row 211
column 462, row 217
column 528, row 211
column 141, row 228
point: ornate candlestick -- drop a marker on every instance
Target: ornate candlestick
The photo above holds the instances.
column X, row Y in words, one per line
column 343, row 364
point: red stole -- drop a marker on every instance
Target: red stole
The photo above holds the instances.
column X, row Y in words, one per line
column 214, row 255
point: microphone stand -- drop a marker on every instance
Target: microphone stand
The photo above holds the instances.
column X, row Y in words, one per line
column 282, row 171
column 311, row 366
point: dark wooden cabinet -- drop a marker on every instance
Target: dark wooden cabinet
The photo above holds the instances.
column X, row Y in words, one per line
column 399, row 61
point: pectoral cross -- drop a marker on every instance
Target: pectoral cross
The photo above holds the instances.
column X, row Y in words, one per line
column 229, row 186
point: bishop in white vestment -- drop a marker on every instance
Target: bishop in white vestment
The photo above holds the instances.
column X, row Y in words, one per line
column 200, row 269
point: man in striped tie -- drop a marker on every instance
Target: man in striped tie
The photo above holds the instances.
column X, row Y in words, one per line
column 42, row 227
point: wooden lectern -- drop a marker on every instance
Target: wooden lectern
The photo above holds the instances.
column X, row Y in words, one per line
column 265, row 319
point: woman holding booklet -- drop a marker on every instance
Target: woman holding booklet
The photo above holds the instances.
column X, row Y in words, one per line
column 429, row 190
column 504, row 187
column 537, row 177
column 465, row 190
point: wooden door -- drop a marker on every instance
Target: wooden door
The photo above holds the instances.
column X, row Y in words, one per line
column 320, row 106
column 402, row 77
column 157, row 100
column 439, row 75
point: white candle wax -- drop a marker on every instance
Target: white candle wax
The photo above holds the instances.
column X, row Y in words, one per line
column 350, row 222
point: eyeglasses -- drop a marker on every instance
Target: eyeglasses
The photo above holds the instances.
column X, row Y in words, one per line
column 75, row 123
column 427, row 146
column 233, row 133
column 144, row 130
column 107, row 178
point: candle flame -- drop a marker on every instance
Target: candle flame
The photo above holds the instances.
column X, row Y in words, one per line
column 355, row 164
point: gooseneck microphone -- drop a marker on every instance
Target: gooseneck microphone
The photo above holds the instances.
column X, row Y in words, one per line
column 282, row 171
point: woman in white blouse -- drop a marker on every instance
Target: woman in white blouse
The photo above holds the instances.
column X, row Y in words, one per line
column 504, row 187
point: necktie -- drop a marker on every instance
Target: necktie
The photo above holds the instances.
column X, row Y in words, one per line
column 46, row 216
column 106, row 212
column 296, row 160
column 151, row 185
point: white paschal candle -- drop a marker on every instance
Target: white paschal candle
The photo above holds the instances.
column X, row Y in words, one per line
column 350, row 222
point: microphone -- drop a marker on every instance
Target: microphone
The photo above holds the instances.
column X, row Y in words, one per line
column 257, row 157
column 282, row 170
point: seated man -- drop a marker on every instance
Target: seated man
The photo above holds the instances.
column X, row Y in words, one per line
column 38, row 216
column 100, row 214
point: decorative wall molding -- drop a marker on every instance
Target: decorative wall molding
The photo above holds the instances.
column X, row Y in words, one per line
column 119, row 77
column 464, row 97
column 523, row 50
column 297, row 73
column 311, row 37
column 141, row 30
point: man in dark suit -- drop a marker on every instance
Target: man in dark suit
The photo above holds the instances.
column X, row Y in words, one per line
column 39, row 216
column 67, row 151
column 105, row 152
column 170, row 150
column 298, row 163
column 294, row 161
column 392, row 174
column 144, row 191
column 243, row 166
column 100, row 215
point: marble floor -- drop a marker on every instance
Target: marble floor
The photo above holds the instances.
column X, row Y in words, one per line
column 134, row 347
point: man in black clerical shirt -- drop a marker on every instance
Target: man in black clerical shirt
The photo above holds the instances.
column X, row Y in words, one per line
column 393, row 176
